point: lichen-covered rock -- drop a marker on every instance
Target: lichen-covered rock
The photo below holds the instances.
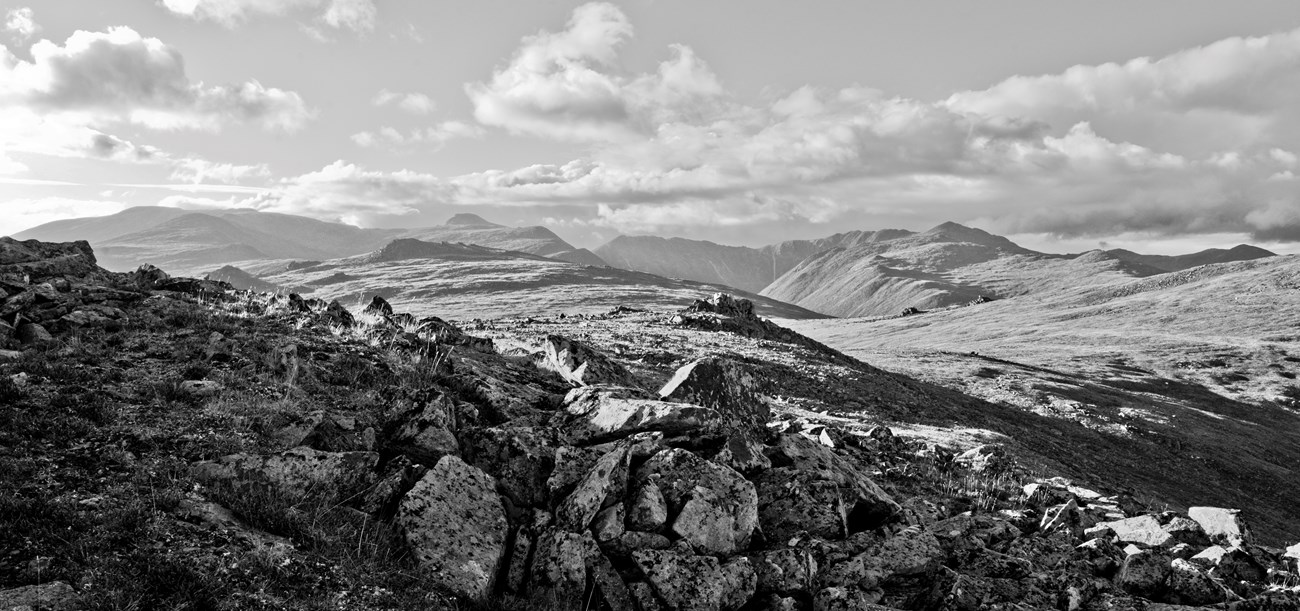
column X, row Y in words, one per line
column 866, row 504
column 681, row 581
column 786, row 571
column 743, row 453
column 738, row 583
column 608, row 524
column 604, row 485
column 847, row 598
column 1188, row 585
column 791, row 501
column 580, row 364
column 559, row 572
column 53, row 596
column 429, row 434
column 1144, row 573
column 713, row 507
column 1223, row 526
column 521, row 460
column 299, row 472
column 630, row 541
column 456, row 528
column 722, row 385
column 647, row 509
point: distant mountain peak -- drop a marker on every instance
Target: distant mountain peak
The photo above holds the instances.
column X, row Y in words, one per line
column 466, row 219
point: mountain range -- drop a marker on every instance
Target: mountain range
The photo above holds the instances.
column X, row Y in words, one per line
column 852, row 274
column 195, row 242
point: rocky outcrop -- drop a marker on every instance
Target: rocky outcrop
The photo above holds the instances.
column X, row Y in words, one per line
column 722, row 312
column 581, row 365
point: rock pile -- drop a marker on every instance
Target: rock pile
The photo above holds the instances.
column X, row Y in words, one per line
column 692, row 497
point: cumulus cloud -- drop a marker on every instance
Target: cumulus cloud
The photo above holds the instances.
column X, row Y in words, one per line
column 564, row 85
column 1196, row 142
column 1226, row 94
column 357, row 15
column 414, row 103
column 120, row 75
column 346, row 192
column 21, row 23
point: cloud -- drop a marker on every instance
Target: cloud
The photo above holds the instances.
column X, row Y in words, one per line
column 1226, row 94
column 119, row 75
column 414, row 103
column 1196, row 142
column 194, row 170
column 564, row 85
column 20, row 22
column 435, row 136
column 356, row 15
column 349, row 193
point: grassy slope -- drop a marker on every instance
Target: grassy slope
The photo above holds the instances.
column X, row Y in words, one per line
column 1188, row 376
column 503, row 284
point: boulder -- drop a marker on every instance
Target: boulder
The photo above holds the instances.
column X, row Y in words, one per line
column 847, row 599
column 744, row 454
column 32, row 334
column 1233, row 563
column 608, row 582
column 738, row 583
column 604, row 484
column 810, row 488
column 1144, row 573
column 683, row 582
column 1223, row 526
column 378, row 307
column 428, row 435
column 988, row 457
column 787, row 571
column 1188, row 585
column 791, row 501
column 300, row 472
column 455, row 525
column 608, row 524
column 200, row 388
column 559, row 574
column 647, row 509
column 337, row 315
column 722, row 385
column 582, row 365
column 712, row 507
column 1143, row 530
column 53, row 596
column 596, row 417
column 521, row 459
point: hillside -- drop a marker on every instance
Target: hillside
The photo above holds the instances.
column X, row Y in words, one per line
column 473, row 229
column 1202, row 361
column 462, row 282
column 1240, row 252
column 750, row 269
column 172, row 443
column 952, row 265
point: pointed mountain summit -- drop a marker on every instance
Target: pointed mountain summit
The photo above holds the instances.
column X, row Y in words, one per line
column 466, row 219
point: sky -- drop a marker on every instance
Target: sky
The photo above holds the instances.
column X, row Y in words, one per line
column 1162, row 126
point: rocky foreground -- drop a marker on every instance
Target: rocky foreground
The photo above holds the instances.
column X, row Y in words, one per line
column 173, row 443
